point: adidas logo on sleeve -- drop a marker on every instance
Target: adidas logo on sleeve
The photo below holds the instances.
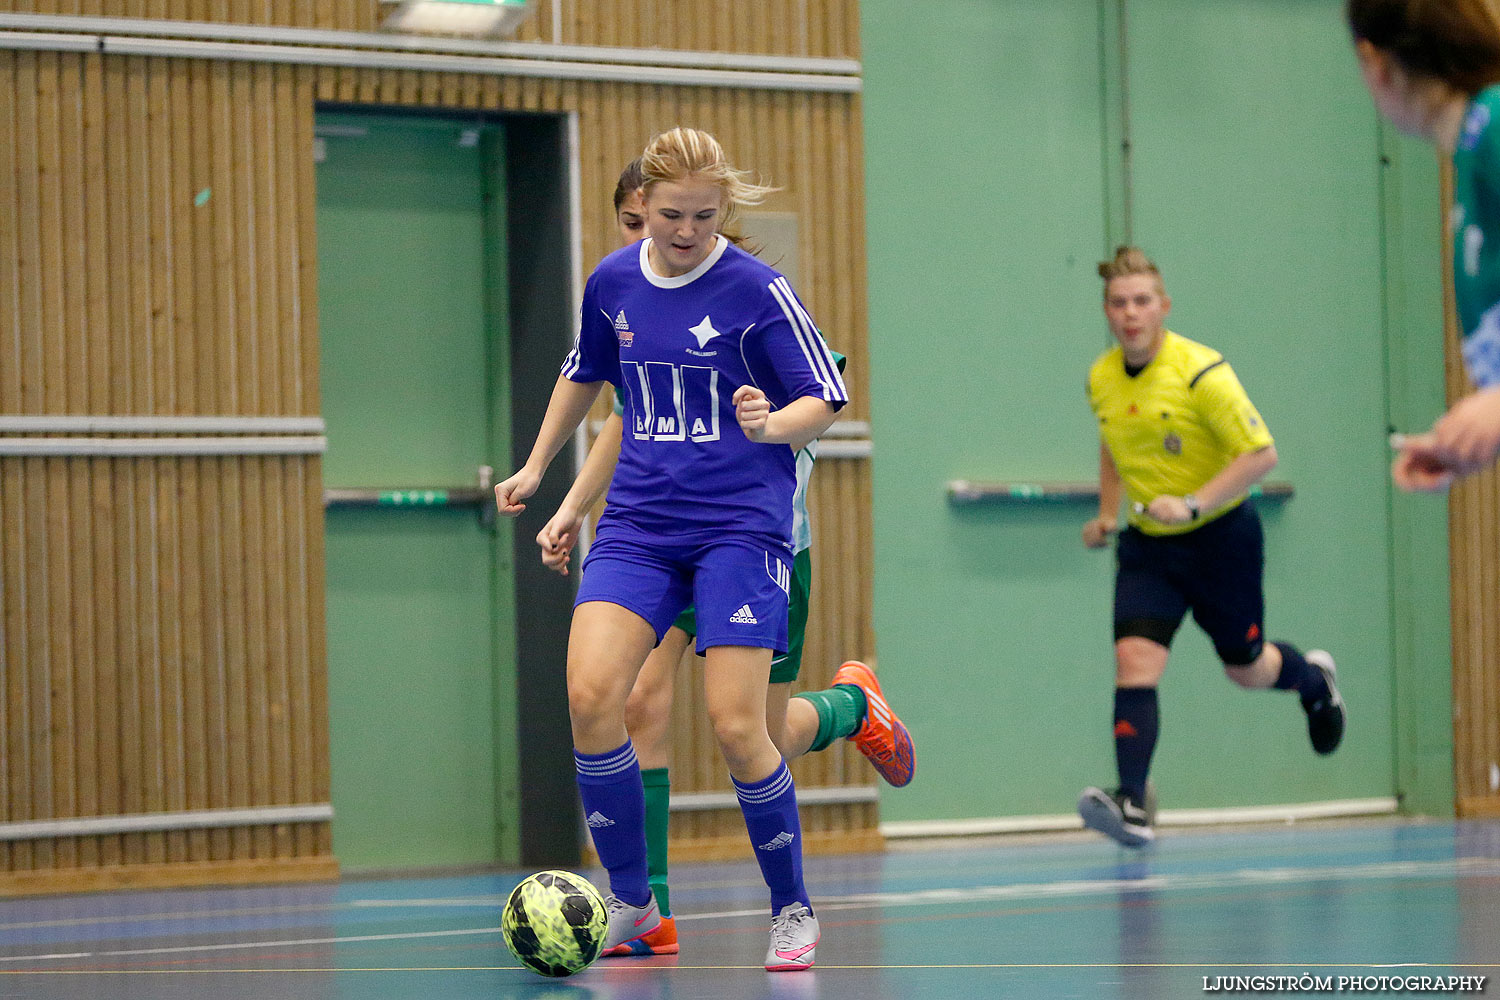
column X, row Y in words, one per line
column 598, row 820
column 744, row 616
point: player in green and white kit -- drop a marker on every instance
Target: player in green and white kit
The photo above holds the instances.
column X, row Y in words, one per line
column 852, row 707
column 1434, row 71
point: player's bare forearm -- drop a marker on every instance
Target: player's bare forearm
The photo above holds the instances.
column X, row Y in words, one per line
column 1097, row 531
column 1238, row 476
column 599, row 468
column 1109, row 488
column 570, row 401
column 800, row 422
column 569, row 404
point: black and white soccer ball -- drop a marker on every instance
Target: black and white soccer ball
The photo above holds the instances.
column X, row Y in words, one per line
column 554, row 923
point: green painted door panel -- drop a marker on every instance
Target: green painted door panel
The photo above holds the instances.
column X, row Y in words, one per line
column 419, row 663
column 986, row 191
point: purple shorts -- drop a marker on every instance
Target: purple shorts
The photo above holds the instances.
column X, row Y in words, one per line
column 738, row 583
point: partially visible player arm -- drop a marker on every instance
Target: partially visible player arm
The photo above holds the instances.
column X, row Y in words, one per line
column 1097, row 531
column 1234, row 479
column 1420, row 466
column 565, row 411
column 1466, row 439
column 798, row 423
column 560, row 534
column 1468, row 435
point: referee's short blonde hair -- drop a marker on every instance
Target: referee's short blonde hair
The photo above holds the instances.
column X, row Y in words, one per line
column 1128, row 261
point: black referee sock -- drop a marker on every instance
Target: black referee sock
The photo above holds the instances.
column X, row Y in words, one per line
column 1136, row 724
column 1299, row 675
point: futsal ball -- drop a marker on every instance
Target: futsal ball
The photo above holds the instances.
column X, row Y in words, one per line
column 554, row 923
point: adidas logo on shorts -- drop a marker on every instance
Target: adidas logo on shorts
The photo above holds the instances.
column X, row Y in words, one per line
column 743, row 616
column 597, row 820
column 777, row 842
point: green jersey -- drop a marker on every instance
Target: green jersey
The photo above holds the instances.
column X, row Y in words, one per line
column 1476, row 237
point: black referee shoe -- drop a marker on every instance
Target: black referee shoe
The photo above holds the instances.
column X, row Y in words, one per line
column 1117, row 816
column 1325, row 716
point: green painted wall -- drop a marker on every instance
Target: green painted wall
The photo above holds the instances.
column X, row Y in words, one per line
column 1255, row 179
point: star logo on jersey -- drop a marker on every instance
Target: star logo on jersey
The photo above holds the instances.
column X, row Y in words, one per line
column 704, row 332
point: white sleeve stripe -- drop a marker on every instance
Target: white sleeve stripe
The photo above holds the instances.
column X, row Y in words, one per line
column 819, row 358
column 781, row 289
column 818, row 343
column 571, row 362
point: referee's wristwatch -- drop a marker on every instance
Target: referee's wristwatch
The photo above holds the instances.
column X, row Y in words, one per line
column 1192, row 505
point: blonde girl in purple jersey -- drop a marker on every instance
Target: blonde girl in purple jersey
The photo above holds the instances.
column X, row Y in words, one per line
column 652, row 546
column 809, row 722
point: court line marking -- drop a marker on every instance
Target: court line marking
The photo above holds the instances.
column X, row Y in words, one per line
column 144, row 918
column 248, row 945
column 471, row 901
column 641, row 967
column 928, row 897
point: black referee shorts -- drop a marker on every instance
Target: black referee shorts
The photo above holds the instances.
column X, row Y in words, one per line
column 1214, row 571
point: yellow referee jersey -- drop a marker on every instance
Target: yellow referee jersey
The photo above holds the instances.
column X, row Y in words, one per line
column 1174, row 425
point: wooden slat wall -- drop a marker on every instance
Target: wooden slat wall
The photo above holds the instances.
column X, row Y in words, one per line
column 827, row 28
column 1474, row 552
column 162, row 616
column 163, row 634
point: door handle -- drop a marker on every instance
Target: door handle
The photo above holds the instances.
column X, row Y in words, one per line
column 481, row 496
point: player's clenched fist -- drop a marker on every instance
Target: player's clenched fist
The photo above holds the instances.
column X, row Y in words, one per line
column 509, row 494
column 752, row 409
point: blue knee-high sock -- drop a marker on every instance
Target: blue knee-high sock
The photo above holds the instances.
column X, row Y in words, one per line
column 770, row 808
column 614, row 804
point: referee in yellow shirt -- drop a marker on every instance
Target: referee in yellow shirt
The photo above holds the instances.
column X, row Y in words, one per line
column 1182, row 440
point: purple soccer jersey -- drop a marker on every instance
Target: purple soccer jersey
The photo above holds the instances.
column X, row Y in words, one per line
column 677, row 349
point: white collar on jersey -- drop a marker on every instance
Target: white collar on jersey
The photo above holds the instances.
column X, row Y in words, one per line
column 682, row 279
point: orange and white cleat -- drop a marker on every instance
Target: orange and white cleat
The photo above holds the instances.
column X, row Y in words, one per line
column 662, row 941
column 882, row 738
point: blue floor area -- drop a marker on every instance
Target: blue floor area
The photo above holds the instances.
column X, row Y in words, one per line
column 1064, row 916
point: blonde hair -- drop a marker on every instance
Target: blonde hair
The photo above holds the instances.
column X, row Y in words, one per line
column 1454, row 41
column 681, row 153
column 1129, row 261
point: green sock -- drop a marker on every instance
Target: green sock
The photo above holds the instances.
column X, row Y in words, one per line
column 841, row 711
column 658, row 787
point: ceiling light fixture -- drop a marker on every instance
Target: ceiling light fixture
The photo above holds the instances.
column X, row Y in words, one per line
column 474, row 18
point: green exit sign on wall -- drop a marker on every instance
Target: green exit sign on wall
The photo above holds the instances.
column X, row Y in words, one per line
column 473, row 18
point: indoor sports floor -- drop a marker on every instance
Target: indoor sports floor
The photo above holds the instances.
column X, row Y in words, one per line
column 1067, row 915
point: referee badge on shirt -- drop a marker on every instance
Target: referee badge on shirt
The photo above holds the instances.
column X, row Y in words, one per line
column 1172, row 443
